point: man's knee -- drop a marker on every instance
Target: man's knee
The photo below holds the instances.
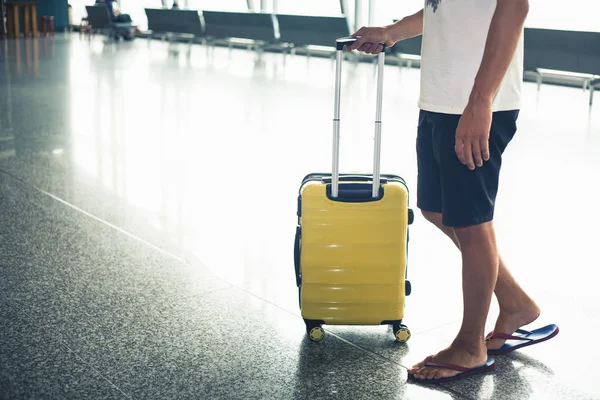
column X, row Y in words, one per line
column 433, row 217
column 476, row 235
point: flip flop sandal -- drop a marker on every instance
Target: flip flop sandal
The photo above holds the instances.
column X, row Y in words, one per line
column 525, row 338
column 464, row 372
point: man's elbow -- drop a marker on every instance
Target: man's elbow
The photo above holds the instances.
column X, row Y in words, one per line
column 523, row 7
column 518, row 8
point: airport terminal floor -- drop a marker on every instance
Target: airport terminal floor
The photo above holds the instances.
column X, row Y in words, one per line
column 148, row 212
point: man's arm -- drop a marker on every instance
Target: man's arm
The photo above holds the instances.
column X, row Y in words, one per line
column 404, row 28
column 503, row 36
column 407, row 27
column 472, row 134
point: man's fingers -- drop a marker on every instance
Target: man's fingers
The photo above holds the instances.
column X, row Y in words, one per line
column 364, row 42
column 371, row 48
column 465, row 153
column 485, row 148
column 355, row 45
column 459, row 148
column 366, row 47
column 468, row 155
column 374, row 48
column 477, row 154
column 359, row 41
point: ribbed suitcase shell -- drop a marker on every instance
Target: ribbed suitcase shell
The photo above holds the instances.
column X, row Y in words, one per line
column 353, row 255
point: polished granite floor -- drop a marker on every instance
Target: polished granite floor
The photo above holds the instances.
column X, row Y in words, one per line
column 148, row 212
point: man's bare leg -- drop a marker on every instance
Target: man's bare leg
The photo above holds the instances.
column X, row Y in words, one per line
column 480, row 271
column 517, row 308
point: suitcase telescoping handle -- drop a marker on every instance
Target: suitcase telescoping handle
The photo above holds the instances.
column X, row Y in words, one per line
column 341, row 43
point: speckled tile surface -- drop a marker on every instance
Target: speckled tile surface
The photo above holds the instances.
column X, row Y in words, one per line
column 81, row 276
column 36, row 364
column 231, row 345
column 208, row 341
column 519, row 376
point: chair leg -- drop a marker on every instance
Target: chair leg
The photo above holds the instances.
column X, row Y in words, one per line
column 34, row 21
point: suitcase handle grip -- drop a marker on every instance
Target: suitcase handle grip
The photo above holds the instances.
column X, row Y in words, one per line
column 359, row 178
column 346, row 41
column 352, row 193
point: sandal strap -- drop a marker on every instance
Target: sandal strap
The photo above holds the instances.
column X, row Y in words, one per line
column 507, row 337
column 429, row 363
column 523, row 331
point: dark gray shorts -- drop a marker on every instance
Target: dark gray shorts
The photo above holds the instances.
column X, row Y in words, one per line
column 447, row 186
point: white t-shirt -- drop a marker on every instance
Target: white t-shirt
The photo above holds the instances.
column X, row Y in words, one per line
column 454, row 37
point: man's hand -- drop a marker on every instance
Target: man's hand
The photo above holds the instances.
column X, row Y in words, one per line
column 370, row 40
column 473, row 132
column 371, row 37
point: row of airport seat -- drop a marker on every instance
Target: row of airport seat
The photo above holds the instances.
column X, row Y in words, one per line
column 284, row 31
column 569, row 51
column 263, row 28
column 544, row 49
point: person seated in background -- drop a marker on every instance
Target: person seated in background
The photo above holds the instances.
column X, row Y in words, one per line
column 114, row 11
column 117, row 17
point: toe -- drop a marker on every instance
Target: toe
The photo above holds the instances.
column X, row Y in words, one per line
column 442, row 374
column 431, row 372
column 421, row 373
column 417, row 367
column 415, row 371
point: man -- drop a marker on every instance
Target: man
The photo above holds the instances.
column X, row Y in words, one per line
column 471, row 77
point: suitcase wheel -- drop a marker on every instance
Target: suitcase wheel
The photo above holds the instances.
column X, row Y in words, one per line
column 314, row 330
column 316, row 334
column 402, row 333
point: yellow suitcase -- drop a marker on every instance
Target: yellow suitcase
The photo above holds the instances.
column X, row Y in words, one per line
column 352, row 240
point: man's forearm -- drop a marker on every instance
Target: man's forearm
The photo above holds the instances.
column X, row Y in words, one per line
column 407, row 27
column 503, row 36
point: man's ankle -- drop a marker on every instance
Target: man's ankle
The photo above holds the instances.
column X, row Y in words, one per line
column 516, row 305
column 472, row 345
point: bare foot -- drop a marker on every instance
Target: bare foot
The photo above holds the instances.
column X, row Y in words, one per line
column 455, row 354
column 509, row 322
